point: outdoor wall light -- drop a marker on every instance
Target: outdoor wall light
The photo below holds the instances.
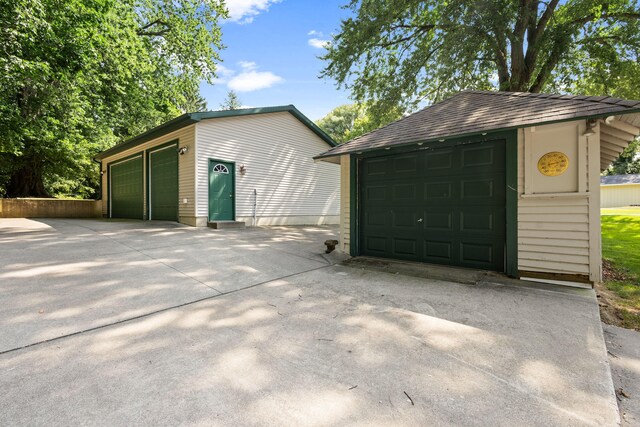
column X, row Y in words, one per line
column 102, row 172
column 591, row 124
column 183, row 150
column 243, row 169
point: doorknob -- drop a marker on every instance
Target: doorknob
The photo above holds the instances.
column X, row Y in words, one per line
column 420, row 220
column 230, row 195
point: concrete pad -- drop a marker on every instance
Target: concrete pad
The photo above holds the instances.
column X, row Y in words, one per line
column 61, row 276
column 333, row 346
column 624, row 356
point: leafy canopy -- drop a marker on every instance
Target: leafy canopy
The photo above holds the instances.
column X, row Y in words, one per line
column 349, row 121
column 79, row 75
column 403, row 52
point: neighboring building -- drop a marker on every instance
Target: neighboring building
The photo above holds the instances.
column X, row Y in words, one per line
column 619, row 190
column 491, row 180
column 250, row 165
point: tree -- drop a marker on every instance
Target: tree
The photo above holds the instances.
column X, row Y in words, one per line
column 627, row 162
column 192, row 103
column 231, row 102
column 80, row 75
column 349, row 121
column 403, row 52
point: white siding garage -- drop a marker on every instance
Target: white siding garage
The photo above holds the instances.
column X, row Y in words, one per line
column 252, row 166
column 276, row 177
column 620, row 190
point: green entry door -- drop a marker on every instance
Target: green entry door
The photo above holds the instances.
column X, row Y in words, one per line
column 163, row 184
column 126, row 188
column 443, row 206
column 221, row 191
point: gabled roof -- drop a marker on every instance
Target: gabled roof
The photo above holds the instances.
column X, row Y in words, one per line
column 190, row 118
column 475, row 112
column 620, row 179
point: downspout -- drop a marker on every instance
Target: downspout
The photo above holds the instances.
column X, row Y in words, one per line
column 255, row 205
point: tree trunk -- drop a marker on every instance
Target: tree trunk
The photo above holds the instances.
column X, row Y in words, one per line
column 26, row 180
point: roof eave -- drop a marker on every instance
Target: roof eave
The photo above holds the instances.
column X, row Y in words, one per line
column 329, row 154
column 170, row 126
column 190, row 118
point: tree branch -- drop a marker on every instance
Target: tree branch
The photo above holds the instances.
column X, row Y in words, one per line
column 142, row 31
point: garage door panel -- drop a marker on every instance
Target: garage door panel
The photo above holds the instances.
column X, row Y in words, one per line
column 376, row 168
column 441, row 220
column 126, row 189
column 376, row 245
column 452, row 212
column 477, row 254
column 438, row 162
column 438, row 191
column 163, row 184
column 405, row 248
column 405, row 220
column 405, row 192
column 437, row 251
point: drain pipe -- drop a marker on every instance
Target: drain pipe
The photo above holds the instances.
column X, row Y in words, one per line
column 255, row 205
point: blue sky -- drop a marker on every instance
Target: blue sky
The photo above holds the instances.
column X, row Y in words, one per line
column 271, row 55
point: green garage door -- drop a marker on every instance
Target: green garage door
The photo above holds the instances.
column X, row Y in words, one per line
column 442, row 206
column 126, row 192
column 163, row 184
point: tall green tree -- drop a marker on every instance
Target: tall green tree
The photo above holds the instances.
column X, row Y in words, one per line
column 80, row 75
column 349, row 121
column 403, row 52
column 627, row 162
column 231, row 102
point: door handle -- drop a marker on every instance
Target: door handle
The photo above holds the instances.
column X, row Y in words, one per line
column 231, row 195
column 420, row 220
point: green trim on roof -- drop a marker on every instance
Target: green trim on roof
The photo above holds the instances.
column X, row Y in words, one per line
column 190, row 118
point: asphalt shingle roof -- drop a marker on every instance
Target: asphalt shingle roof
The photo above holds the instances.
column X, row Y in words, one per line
column 474, row 112
column 620, row 179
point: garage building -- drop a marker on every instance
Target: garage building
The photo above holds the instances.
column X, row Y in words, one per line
column 500, row 181
column 250, row 166
column 620, row 190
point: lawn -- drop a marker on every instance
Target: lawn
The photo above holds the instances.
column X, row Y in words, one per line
column 621, row 254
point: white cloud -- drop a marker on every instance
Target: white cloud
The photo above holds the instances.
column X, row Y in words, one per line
column 244, row 11
column 314, row 33
column 250, row 79
column 223, row 74
column 318, row 43
column 248, row 65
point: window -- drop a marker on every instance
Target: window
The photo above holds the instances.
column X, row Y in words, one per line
column 220, row 168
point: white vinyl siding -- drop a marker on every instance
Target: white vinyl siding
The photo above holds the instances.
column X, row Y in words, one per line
column 556, row 230
column 345, row 203
column 186, row 167
column 277, row 151
column 615, row 196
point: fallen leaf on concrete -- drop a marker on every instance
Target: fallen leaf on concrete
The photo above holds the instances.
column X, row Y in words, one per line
column 620, row 392
column 410, row 399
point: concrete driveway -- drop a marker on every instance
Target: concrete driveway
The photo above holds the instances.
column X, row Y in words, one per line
column 121, row 323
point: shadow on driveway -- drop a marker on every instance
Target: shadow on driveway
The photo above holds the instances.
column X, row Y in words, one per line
column 334, row 345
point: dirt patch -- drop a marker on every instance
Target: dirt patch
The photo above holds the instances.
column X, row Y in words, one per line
column 611, row 311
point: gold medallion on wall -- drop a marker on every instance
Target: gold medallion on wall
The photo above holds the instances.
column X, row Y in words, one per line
column 553, row 164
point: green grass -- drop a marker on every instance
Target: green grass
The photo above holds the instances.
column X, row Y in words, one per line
column 621, row 247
